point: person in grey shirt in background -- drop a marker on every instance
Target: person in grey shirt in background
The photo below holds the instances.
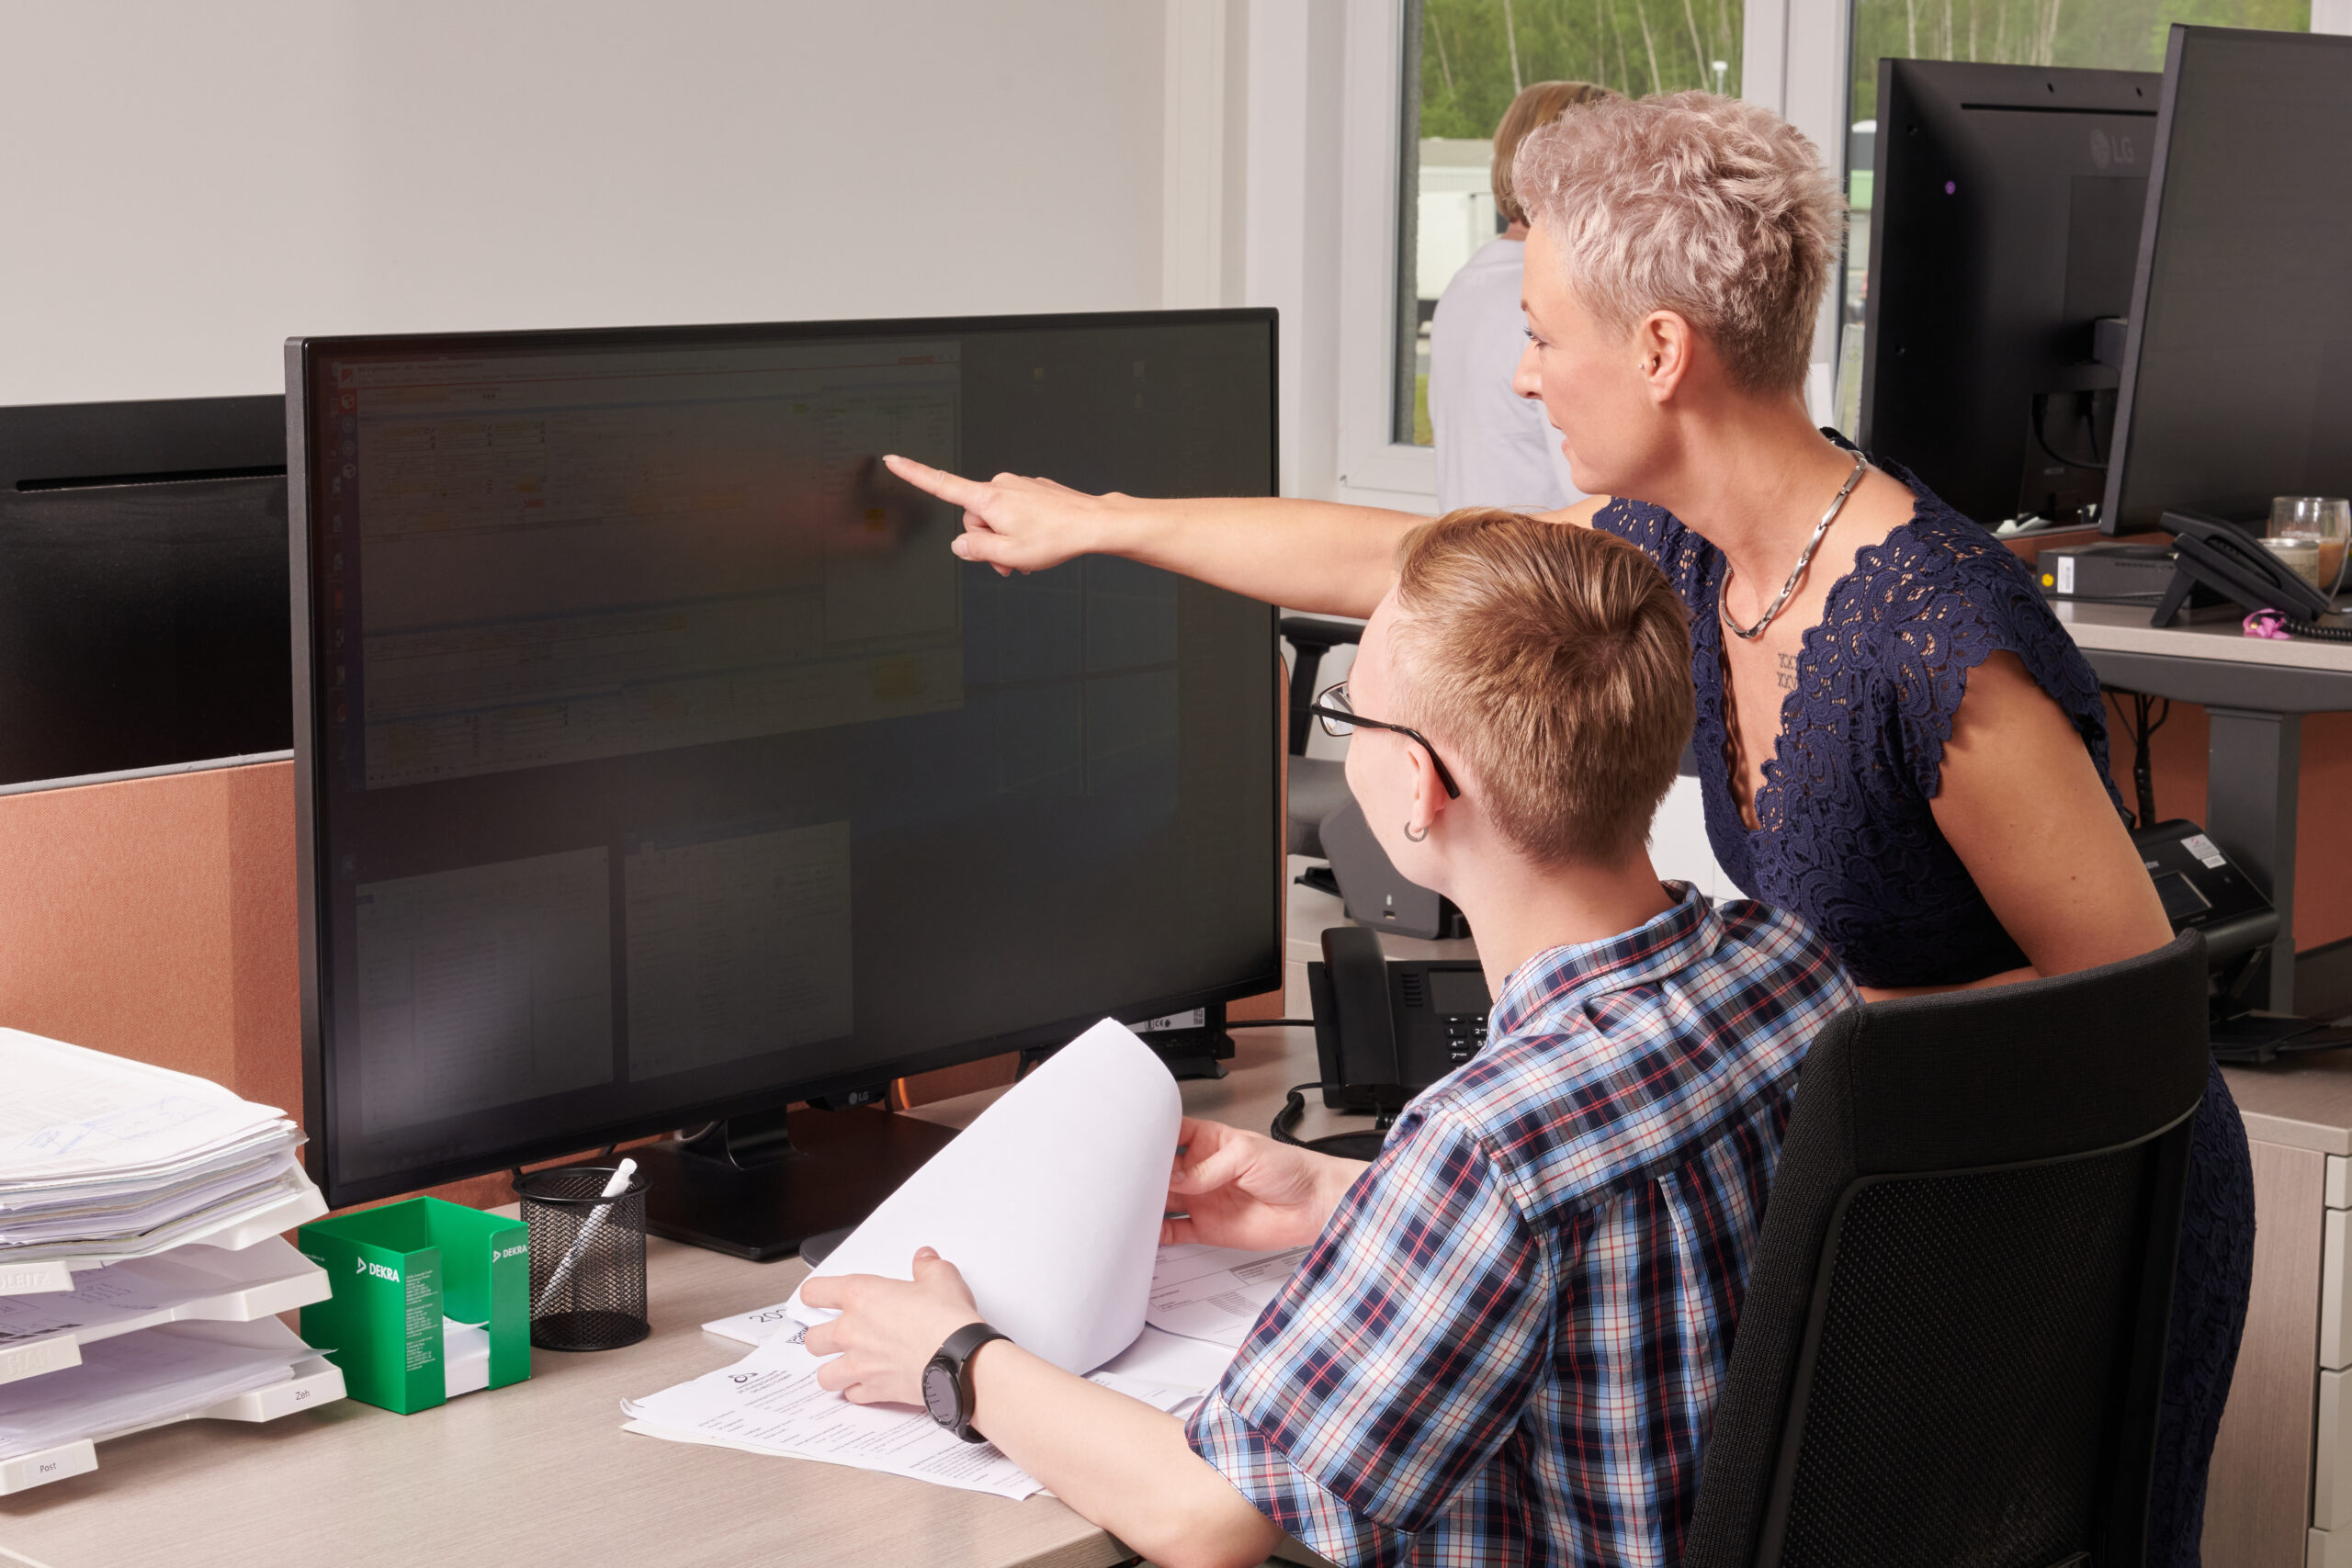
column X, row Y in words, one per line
column 1494, row 447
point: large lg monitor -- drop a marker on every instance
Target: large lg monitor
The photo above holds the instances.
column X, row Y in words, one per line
column 2008, row 200
column 661, row 765
column 143, row 586
column 2239, row 354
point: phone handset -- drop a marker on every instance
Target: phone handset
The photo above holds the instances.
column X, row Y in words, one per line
column 1385, row 1030
column 2232, row 563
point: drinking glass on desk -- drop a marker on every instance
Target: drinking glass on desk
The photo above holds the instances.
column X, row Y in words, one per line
column 2326, row 522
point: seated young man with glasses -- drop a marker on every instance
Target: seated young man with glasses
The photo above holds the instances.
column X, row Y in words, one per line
column 1506, row 1343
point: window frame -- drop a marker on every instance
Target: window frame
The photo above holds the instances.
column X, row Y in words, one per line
column 1793, row 61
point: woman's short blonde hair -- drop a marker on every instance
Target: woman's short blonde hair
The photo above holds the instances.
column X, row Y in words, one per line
column 1536, row 106
column 1555, row 663
column 1713, row 207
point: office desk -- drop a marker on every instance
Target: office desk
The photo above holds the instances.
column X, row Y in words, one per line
column 2281, row 1489
column 541, row 1473
column 2257, row 692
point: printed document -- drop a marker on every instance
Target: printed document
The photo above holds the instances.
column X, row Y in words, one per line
column 1216, row 1292
column 1163, row 1359
column 770, row 1402
column 1050, row 1203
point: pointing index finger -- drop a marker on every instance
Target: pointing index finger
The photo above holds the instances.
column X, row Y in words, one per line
column 952, row 489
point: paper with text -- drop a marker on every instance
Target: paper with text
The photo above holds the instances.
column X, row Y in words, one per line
column 770, row 1402
column 1050, row 1203
column 1217, row 1292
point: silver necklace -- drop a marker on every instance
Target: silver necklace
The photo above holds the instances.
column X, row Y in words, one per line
column 1796, row 573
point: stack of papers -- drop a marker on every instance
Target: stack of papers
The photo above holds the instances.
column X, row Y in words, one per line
column 1049, row 1204
column 203, row 1282
column 139, row 1380
column 769, row 1402
column 103, row 1158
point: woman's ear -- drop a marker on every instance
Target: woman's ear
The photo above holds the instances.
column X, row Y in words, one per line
column 1666, row 344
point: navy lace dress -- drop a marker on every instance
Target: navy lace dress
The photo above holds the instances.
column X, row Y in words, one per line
column 1847, row 839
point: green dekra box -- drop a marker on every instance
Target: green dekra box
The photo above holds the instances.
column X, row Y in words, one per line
column 398, row 1272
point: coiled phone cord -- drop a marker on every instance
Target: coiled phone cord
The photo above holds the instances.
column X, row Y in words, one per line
column 1346, row 1145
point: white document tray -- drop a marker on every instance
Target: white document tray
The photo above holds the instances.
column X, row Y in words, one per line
column 314, row 1379
column 57, row 1274
column 256, row 1282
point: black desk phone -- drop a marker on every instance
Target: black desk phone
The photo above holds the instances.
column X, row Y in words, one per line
column 2231, row 562
column 2203, row 891
column 1385, row 1030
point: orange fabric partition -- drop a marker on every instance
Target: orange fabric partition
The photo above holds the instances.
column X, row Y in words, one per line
column 154, row 919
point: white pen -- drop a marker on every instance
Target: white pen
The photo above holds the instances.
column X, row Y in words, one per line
column 613, row 1189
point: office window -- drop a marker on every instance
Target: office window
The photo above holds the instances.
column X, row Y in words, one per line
column 2114, row 35
column 1463, row 62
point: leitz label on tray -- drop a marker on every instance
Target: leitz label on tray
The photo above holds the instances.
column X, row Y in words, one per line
column 34, row 1279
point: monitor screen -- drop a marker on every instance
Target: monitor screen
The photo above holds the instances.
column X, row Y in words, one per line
column 2241, row 342
column 2007, row 213
column 143, row 587
column 661, row 761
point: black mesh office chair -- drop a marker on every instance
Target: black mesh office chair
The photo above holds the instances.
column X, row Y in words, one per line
column 1952, row 1342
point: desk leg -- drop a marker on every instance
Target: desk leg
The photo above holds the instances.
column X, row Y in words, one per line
column 2251, row 764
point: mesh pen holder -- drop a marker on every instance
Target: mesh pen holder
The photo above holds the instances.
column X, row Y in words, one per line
column 587, row 1269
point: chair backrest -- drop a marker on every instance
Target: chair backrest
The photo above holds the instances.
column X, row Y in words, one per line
column 1952, row 1346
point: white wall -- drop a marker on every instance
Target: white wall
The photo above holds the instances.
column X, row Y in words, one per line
column 185, row 185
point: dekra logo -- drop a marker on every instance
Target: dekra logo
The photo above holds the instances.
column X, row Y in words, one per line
column 516, row 1251
column 381, row 1271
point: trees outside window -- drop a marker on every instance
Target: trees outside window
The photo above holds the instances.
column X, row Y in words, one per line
column 1465, row 60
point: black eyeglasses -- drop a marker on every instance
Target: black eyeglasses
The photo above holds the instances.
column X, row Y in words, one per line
column 1340, row 717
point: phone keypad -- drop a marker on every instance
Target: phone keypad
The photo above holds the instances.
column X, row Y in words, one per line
column 1465, row 1036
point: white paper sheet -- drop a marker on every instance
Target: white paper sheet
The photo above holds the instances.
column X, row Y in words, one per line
column 134, row 1379
column 1217, row 1292
column 770, row 1402
column 70, row 1112
column 99, row 1298
column 1049, row 1203
column 1170, row 1361
column 1157, row 1358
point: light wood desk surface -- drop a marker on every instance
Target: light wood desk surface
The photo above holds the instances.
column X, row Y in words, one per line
column 2124, row 628
column 540, row 1472
column 2302, row 1102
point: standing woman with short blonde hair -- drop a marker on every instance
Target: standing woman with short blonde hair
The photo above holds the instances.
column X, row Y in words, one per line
column 1896, row 740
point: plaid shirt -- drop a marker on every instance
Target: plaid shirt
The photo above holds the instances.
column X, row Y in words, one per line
column 1505, row 1345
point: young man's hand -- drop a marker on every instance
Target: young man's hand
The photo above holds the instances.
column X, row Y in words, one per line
column 1236, row 1188
column 888, row 1329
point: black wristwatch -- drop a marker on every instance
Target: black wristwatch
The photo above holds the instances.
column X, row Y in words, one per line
column 947, row 1380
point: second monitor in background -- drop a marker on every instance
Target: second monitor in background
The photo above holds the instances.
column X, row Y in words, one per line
column 2239, row 359
column 2008, row 204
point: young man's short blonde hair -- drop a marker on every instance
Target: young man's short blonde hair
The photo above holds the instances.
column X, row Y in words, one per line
column 1710, row 206
column 1538, row 104
column 1555, row 663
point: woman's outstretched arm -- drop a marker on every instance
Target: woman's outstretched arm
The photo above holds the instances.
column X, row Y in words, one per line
column 1308, row 555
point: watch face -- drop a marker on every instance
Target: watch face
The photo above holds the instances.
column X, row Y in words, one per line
column 939, row 1394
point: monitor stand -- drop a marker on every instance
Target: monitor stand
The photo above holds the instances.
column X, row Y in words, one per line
column 755, row 1186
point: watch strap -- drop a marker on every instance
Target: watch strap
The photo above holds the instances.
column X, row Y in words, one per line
column 957, row 1353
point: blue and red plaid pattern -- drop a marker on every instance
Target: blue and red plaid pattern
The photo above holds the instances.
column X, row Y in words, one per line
column 1507, row 1344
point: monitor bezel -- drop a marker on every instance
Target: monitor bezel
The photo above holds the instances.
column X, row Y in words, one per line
column 2119, row 451
column 305, row 358
column 1949, row 92
column 2112, row 523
